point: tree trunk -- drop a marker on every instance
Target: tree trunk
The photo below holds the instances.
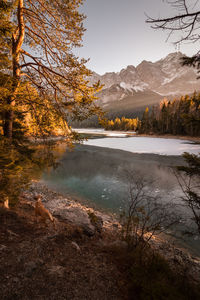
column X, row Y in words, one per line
column 8, row 122
column 17, row 41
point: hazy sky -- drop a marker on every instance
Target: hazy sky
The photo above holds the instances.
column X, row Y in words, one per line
column 117, row 34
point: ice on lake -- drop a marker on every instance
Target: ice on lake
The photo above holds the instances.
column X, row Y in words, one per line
column 162, row 146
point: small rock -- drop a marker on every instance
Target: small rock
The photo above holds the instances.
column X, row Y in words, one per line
column 178, row 259
column 30, row 267
column 56, row 270
column 12, row 233
column 76, row 246
column 15, row 279
column 54, row 236
column 2, row 247
column 99, row 224
column 20, row 258
column 88, row 230
column 96, row 221
column 115, row 225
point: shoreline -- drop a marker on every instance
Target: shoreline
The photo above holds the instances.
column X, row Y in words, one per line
column 97, row 131
column 157, row 167
column 170, row 136
column 177, row 257
column 55, row 138
column 77, row 266
column 55, row 202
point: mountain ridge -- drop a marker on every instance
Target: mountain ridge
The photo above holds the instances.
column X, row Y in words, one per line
column 129, row 91
column 166, row 76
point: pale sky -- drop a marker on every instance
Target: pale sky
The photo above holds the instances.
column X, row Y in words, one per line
column 117, row 35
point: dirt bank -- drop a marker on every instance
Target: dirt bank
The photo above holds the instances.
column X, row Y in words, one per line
column 39, row 261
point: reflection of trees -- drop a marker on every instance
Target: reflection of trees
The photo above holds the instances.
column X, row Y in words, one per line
column 87, row 162
column 20, row 164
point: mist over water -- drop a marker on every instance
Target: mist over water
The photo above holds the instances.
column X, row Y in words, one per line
column 97, row 177
column 98, row 173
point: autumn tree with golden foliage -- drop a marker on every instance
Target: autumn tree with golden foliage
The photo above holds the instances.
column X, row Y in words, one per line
column 43, row 84
column 39, row 37
column 177, row 117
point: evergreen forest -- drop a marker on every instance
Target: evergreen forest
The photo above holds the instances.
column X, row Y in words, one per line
column 176, row 117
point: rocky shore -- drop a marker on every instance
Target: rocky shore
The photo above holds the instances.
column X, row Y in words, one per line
column 92, row 221
column 68, row 261
column 83, row 256
column 70, row 210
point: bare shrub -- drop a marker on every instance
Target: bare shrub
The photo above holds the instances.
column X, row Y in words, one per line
column 145, row 214
column 188, row 178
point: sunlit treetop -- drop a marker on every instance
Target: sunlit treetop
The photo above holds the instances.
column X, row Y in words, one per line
column 41, row 42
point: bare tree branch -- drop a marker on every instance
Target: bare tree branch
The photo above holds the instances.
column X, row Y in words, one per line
column 184, row 20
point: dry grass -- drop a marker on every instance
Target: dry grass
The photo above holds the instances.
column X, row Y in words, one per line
column 39, row 262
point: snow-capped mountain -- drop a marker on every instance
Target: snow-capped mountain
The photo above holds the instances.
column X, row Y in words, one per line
column 147, row 83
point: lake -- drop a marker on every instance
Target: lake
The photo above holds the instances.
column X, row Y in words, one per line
column 96, row 173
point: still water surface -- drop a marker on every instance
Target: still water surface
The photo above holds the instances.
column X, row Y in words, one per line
column 96, row 176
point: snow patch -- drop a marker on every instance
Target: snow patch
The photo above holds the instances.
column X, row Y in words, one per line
column 122, row 96
column 126, row 86
column 131, row 87
column 168, row 80
column 138, row 88
column 118, row 88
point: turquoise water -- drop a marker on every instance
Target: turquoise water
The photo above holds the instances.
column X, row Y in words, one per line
column 98, row 177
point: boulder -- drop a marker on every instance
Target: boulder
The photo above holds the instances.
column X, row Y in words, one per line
column 76, row 216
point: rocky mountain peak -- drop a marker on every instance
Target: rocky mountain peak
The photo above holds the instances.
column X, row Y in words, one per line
column 166, row 76
column 131, row 68
column 174, row 56
column 134, row 88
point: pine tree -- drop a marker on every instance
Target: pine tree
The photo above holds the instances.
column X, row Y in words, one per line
column 5, row 32
column 42, row 83
column 177, row 117
column 145, row 124
column 117, row 124
column 41, row 38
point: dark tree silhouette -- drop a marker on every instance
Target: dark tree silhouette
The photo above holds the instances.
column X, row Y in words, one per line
column 190, row 185
column 186, row 21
